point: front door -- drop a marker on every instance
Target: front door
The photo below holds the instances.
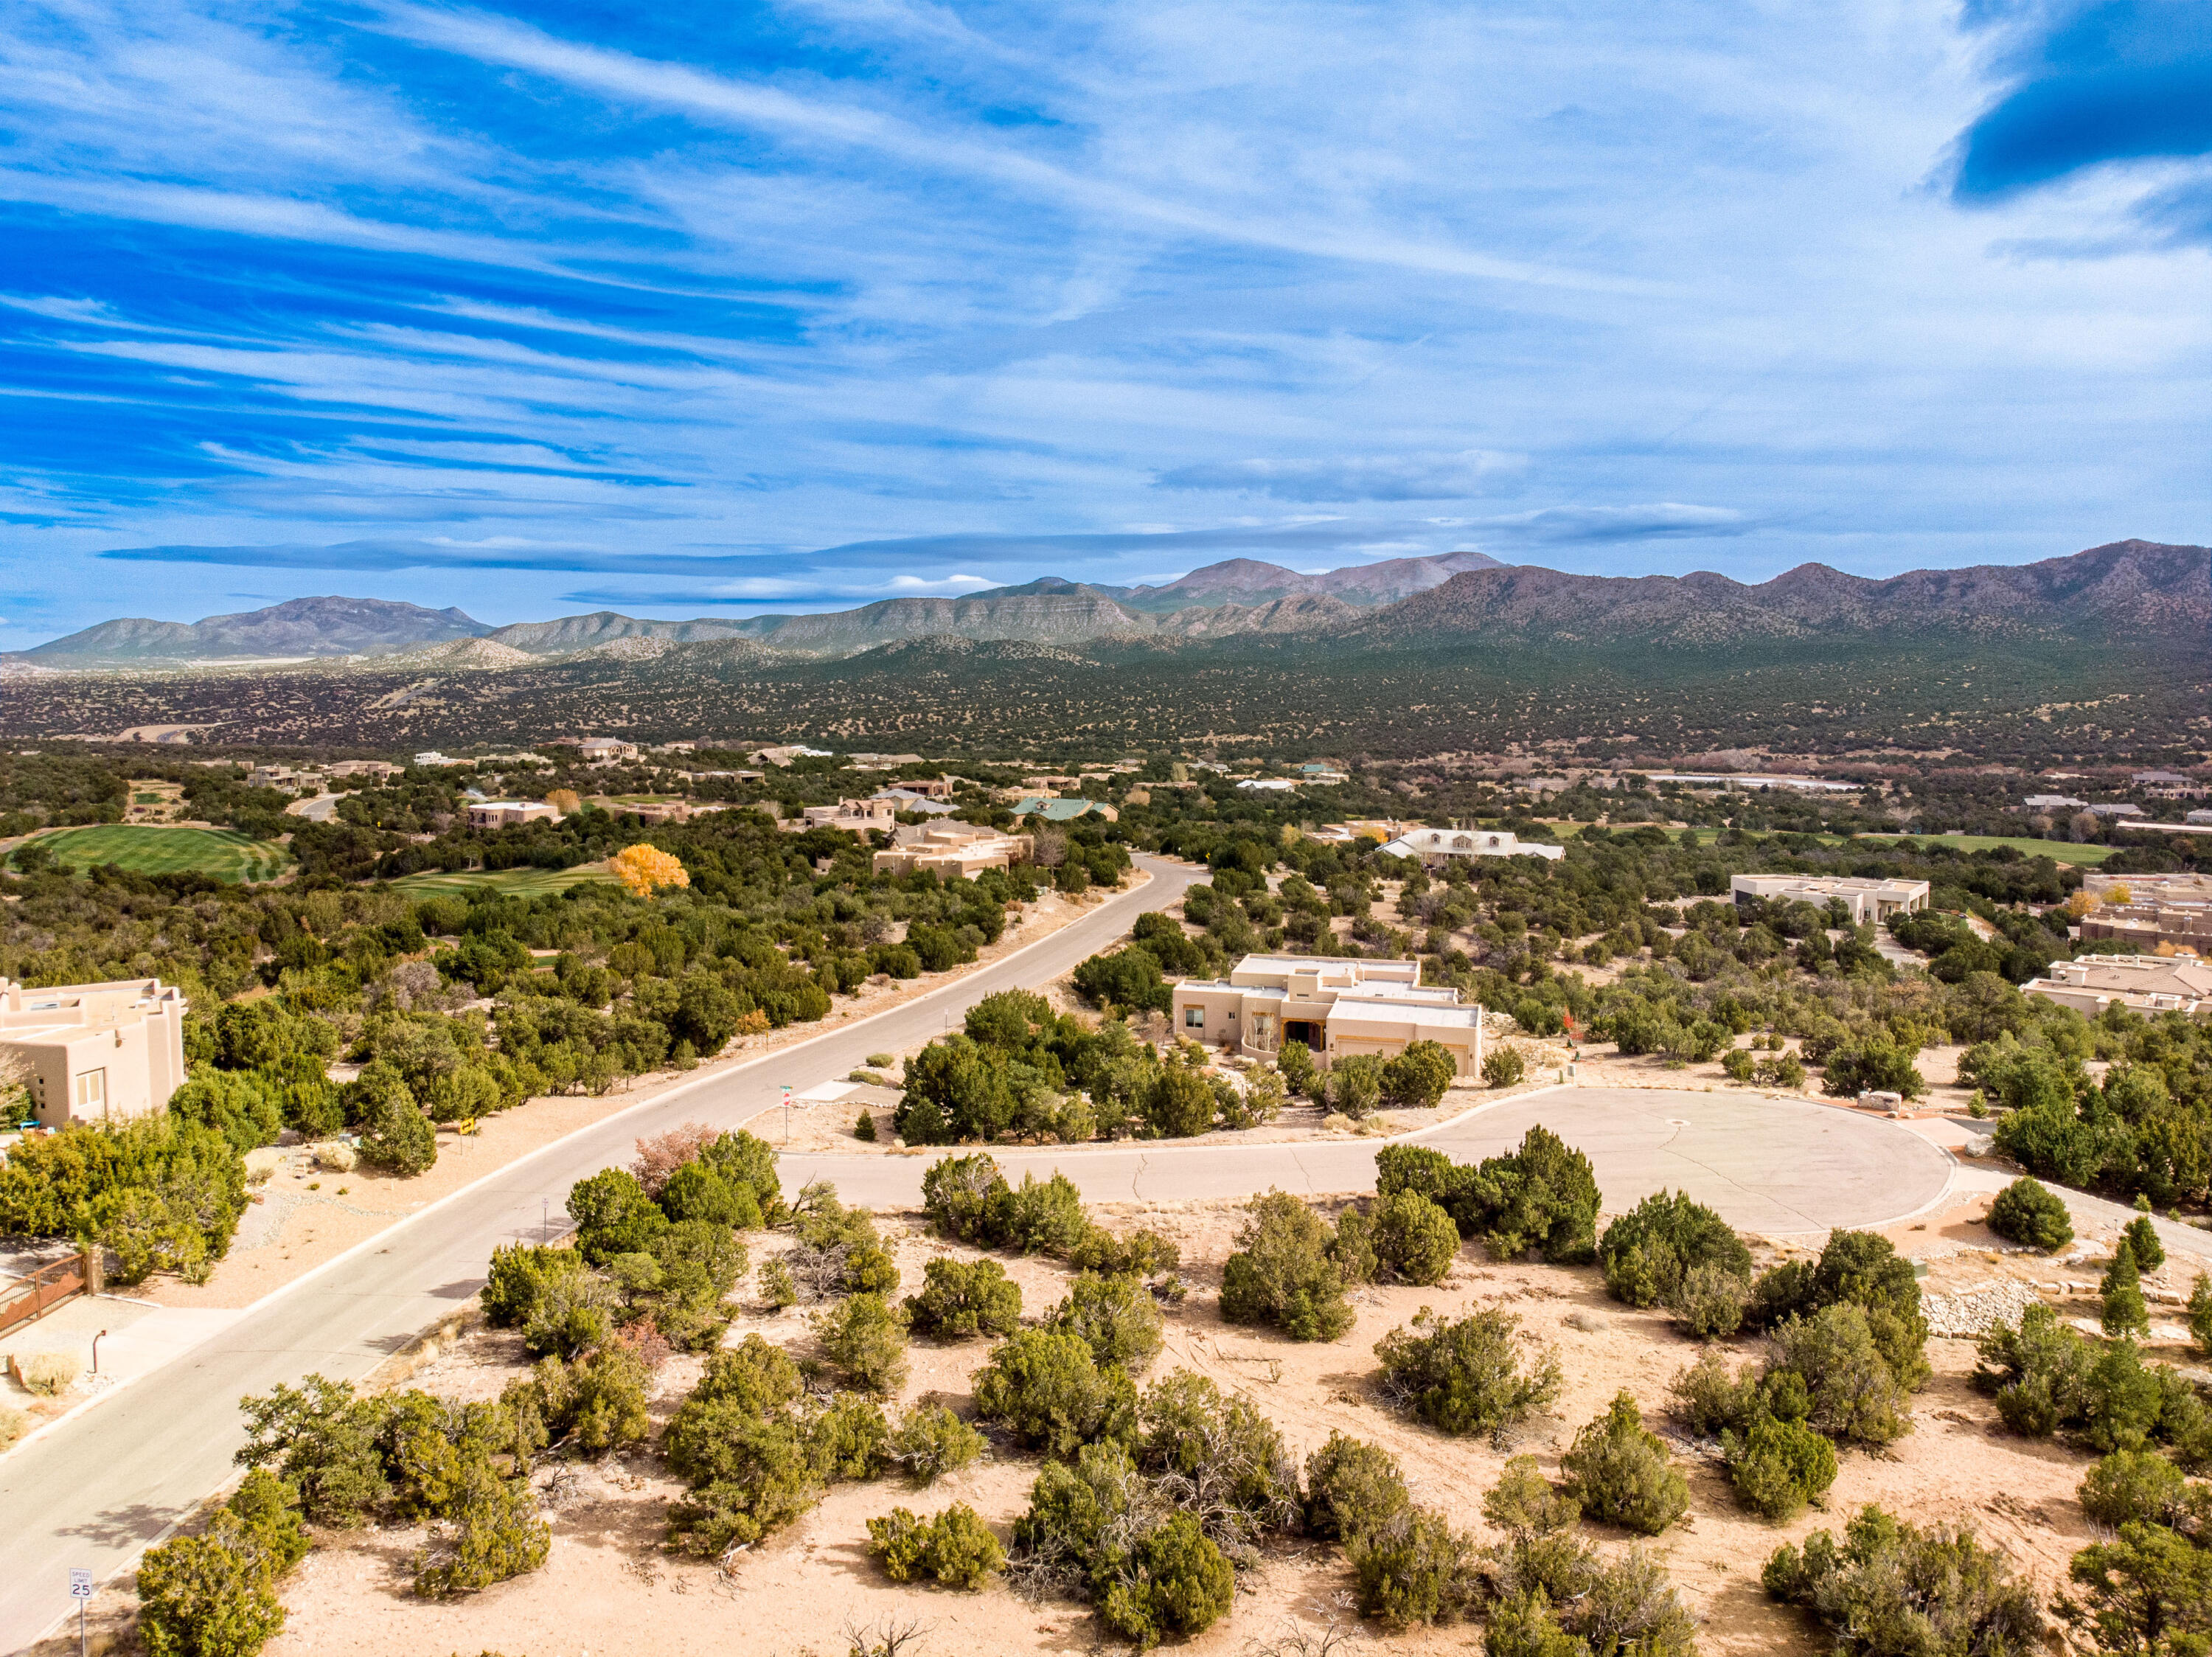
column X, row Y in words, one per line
column 1303, row 1030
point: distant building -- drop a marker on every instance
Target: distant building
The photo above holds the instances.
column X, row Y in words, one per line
column 2161, row 779
column 431, row 757
column 2052, row 803
column 1337, row 1007
column 1866, row 900
column 946, row 850
column 882, row 761
column 1065, row 811
column 605, row 750
column 906, row 799
column 282, row 776
column 784, row 755
column 2180, row 925
column 2149, row 888
column 506, row 813
column 2198, row 817
column 1435, row 845
column 663, row 811
column 96, row 1052
column 379, row 770
column 1268, row 784
column 2116, row 811
column 2145, row 984
column 855, row 816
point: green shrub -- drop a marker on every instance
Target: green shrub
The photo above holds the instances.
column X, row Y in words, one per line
column 1524, row 1504
column 2124, row 1311
column 1352, row 1488
column 1504, row 1066
column 1178, row 1105
column 1777, row 1466
column 1415, row 1568
column 1046, row 1388
column 2026, row 1213
column 865, row 1337
column 956, row 1547
column 2138, row 1487
column 1417, row 1077
column 520, row 1274
column 1620, row 1473
column 1414, row 1240
column 2141, row 1239
column 1281, row 1273
column 1142, row 1253
column 1115, row 1317
column 961, row 1300
column 1352, row 1246
column 1711, row 1302
column 1466, row 1377
column 1890, row 1589
column 1355, row 1085
column 777, row 1291
column 752, row 1464
column 492, row 1532
column 1649, row 1251
column 864, row 1127
column 214, row 1594
column 1523, row 1626
column 696, row 1191
column 932, row 1441
column 1180, row 1584
column 2200, row 1313
column 1865, row 1271
column 1417, row 1168
column 1299, row 1072
column 1542, row 1199
column 613, row 1215
column 957, row 1193
column 1040, row 1216
column 2149, row 1590
column 1217, row 1456
column 395, row 1135
column 1853, row 1395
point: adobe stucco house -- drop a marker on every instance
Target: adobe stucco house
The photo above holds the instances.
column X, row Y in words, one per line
column 1866, row 899
column 95, row 1052
column 946, row 850
column 1337, row 1006
column 2150, row 985
column 1433, row 845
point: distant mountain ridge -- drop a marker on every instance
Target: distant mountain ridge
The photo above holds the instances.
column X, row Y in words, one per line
column 2126, row 589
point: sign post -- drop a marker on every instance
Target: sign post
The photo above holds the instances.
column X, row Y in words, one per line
column 80, row 1591
column 787, row 1116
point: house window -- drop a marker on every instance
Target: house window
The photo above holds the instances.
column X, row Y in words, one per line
column 1194, row 1017
column 91, row 1093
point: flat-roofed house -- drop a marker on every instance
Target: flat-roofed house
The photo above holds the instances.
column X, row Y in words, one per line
column 855, row 816
column 605, row 750
column 506, row 813
column 2146, row 984
column 1337, row 1006
column 949, row 848
column 95, row 1052
column 1434, row 845
column 2182, row 925
column 1866, row 899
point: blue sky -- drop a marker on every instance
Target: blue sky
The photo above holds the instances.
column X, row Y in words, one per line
column 566, row 306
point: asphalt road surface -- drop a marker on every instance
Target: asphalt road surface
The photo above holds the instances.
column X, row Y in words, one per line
column 97, row 1491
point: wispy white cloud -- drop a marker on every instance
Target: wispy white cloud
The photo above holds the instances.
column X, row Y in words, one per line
column 1352, row 476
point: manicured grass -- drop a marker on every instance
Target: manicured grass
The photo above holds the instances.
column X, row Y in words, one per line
column 145, row 849
column 2059, row 851
column 511, row 882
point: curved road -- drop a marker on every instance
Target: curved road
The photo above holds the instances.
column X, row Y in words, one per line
column 97, row 1490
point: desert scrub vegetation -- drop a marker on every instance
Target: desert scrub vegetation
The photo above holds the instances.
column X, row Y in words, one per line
column 955, row 1548
column 1670, row 1250
column 1542, row 1199
column 961, row 1300
column 2046, row 1380
column 1048, row 1389
column 757, row 1451
column 1151, row 1527
column 214, row 1594
column 1619, row 1471
column 1116, row 1316
column 408, row 1457
column 1466, row 1376
column 863, row 1338
column 1892, row 1589
column 1286, row 1272
column 2026, row 1213
column 1861, row 1270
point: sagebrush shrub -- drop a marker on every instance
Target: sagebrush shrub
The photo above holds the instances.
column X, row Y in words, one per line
column 1352, row 1488
column 1620, row 1472
column 1890, row 1587
column 1281, row 1272
column 1466, row 1376
column 960, row 1299
column 1415, row 1568
column 932, row 1441
column 957, row 1547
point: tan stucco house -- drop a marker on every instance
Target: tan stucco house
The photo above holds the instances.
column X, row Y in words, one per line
column 1337, row 1006
column 1868, row 900
column 95, row 1052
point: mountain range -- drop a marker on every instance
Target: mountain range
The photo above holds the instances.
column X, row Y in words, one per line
column 2138, row 591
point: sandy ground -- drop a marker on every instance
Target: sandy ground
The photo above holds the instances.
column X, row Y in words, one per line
column 303, row 1216
column 607, row 1586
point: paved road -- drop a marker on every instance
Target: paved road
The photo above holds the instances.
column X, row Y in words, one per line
column 96, row 1491
column 1777, row 1166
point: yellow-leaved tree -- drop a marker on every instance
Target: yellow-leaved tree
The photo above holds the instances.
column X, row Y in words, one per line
column 645, row 870
column 567, row 801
